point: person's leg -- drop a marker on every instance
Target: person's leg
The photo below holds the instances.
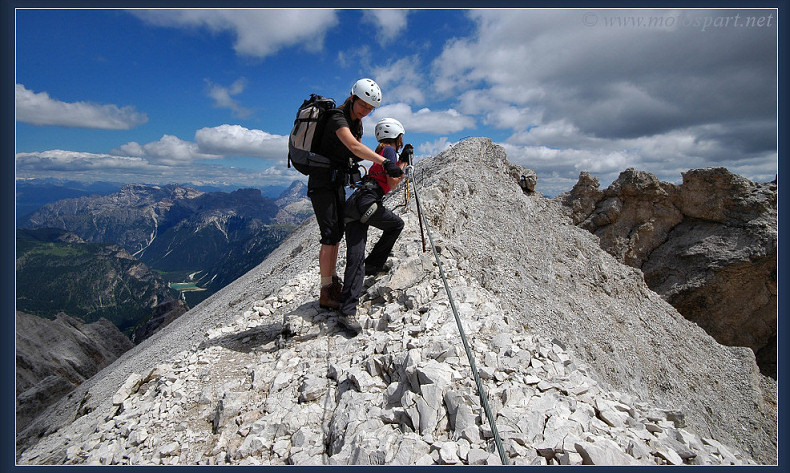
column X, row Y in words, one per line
column 354, row 276
column 330, row 288
column 333, row 262
column 340, row 225
column 391, row 226
column 327, row 262
column 325, row 215
column 340, row 204
column 325, row 206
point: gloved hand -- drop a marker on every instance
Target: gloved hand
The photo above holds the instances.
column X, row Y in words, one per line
column 392, row 169
column 406, row 154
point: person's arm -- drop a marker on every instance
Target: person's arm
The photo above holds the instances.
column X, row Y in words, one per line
column 360, row 150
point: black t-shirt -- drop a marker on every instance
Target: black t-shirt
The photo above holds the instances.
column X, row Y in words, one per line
column 330, row 145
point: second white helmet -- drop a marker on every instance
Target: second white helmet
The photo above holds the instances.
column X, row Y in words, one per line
column 388, row 128
column 368, row 91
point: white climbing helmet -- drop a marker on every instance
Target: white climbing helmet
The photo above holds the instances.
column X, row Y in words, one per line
column 368, row 91
column 388, row 128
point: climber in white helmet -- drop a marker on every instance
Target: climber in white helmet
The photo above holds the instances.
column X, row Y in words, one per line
column 340, row 142
column 365, row 208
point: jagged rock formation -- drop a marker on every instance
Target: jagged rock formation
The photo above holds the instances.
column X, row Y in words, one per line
column 54, row 356
column 582, row 363
column 708, row 246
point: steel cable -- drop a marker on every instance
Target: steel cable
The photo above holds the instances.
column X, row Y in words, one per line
column 480, row 390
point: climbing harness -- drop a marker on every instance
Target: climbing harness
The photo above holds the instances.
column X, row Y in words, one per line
column 480, row 390
column 355, row 177
column 360, row 206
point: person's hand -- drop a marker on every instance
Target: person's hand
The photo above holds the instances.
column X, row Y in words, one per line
column 406, row 154
column 392, row 169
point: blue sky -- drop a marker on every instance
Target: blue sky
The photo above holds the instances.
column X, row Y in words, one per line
column 208, row 97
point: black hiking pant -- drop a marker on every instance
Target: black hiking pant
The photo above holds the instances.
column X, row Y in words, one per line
column 328, row 195
column 356, row 239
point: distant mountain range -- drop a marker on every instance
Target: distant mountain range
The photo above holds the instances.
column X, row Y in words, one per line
column 32, row 194
column 186, row 235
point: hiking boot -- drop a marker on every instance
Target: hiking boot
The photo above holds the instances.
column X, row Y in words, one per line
column 350, row 322
column 329, row 298
column 372, row 270
column 336, row 288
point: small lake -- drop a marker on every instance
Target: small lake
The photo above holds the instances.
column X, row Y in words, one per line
column 186, row 286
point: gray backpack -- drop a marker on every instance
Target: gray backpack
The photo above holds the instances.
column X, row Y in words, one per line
column 307, row 131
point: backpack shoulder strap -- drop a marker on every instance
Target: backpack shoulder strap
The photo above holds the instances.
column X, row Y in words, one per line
column 320, row 126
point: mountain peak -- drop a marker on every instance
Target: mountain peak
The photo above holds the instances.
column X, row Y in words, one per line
column 580, row 361
column 295, row 191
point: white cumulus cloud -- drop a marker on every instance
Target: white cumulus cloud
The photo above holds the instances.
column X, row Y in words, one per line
column 402, row 80
column 388, row 23
column 241, row 141
column 169, row 150
column 424, row 120
column 434, row 147
column 259, row 32
column 63, row 164
column 223, row 97
column 63, row 160
column 41, row 109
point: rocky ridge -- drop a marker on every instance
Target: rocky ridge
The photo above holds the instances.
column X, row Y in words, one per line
column 581, row 362
column 271, row 389
column 707, row 245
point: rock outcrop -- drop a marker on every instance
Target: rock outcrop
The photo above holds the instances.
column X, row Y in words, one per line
column 162, row 315
column 580, row 361
column 708, row 246
column 55, row 356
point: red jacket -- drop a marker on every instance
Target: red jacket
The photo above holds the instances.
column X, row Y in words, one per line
column 377, row 171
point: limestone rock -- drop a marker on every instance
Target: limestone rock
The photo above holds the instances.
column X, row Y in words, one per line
column 129, row 387
column 708, row 246
column 602, row 452
column 55, row 356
